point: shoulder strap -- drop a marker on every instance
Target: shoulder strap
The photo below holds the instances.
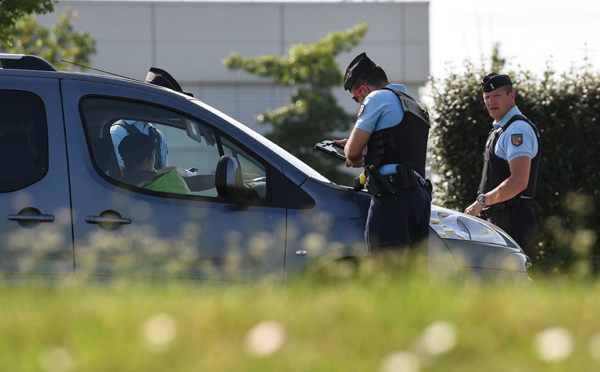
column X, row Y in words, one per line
column 522, row 118
column 153, row 132
column 130, row 128
column 409, row 104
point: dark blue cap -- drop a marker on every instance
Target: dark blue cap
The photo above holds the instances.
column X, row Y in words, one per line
column 494, row 81
column 357, row 67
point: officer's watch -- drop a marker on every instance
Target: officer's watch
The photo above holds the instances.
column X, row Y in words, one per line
column 481, row 200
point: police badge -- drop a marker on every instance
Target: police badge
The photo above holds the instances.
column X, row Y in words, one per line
column 517, row 139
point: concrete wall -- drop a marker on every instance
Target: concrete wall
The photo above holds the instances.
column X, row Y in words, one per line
column 191, row 38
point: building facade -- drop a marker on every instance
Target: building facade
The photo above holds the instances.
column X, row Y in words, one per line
column 190, row 39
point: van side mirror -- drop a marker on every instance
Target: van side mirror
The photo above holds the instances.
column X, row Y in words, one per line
column 229, row 182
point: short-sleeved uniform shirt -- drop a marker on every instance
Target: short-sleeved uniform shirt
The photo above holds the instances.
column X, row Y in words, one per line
column 117, row 133
column 381, row 109
column 518, row 140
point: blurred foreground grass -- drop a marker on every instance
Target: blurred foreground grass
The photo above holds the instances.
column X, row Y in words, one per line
column 383, row 324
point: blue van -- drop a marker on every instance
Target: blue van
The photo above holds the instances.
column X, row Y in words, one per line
column 259, row 213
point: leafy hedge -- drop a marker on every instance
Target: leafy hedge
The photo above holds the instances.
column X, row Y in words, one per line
column 313, row 114
column 565, row 109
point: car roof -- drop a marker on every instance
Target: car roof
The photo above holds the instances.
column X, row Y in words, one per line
column 34, row 66
column 40, row 68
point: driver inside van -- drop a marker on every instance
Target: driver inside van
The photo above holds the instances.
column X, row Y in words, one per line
column 138, row 153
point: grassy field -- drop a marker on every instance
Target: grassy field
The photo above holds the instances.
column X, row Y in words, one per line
column 382, row 323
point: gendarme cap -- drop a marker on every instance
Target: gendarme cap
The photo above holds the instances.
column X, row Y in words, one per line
column 494, row 81
column 160, row 77
column 357, row 67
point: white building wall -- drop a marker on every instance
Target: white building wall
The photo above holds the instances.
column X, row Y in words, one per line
column 191, row 38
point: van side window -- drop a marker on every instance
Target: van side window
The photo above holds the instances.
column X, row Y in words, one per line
column 156, row 149
column 23, row 140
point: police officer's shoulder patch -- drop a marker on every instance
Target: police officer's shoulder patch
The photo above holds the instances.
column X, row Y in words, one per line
column 362, row 107
column 516, row 139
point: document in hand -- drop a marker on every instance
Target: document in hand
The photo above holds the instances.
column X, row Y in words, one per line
column 332, row 149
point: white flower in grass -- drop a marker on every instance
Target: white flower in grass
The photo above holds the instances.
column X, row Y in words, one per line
column 439, row 338
column 159, row 331
column 400, row 361
column 553, row 344
column 265, row 338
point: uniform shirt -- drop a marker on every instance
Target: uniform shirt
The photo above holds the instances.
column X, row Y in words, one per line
column 381, row 109
column 505, row 148
column 117, row 133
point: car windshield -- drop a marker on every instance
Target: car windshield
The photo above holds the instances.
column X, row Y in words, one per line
column 299, row 164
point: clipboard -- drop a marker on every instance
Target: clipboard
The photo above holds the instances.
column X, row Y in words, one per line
column 332, row 149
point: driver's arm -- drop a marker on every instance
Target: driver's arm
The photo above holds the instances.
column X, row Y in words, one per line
column 200, row 182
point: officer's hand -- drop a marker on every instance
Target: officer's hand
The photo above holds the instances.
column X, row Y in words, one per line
column 474, row 209
column 341, row 142
column 360, row 164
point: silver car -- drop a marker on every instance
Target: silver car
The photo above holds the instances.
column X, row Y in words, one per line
column 265, row 214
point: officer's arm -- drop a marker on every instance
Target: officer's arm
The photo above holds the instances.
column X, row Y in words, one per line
column 509, row 188
column 354, row 147
column 117, row 133
column 164, row 150
column 513, row 185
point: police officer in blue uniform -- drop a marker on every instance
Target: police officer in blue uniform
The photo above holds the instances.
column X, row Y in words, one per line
column 511, row 162
column 123, row 128
column 389, row 139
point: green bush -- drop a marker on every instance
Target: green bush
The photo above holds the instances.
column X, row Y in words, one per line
column 313, row 114
column 564, row 108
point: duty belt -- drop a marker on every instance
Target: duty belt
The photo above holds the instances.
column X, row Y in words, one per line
column 394, row 178
column 405, row 177
column 511, row 204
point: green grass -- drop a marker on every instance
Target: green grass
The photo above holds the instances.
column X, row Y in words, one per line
column 383, row 323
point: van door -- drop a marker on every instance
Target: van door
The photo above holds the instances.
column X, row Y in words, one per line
column 35, row 227
column 135, row 220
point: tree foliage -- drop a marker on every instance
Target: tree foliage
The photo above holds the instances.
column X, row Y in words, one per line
column 61, row 41
column 564, row 108
column 313, row 113
column 13, row 10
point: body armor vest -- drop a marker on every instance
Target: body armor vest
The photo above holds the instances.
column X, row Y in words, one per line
column 496, row 169
column 403, row 143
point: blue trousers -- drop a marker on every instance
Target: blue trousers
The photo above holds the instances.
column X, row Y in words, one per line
column 399, row 221
column 521, row 225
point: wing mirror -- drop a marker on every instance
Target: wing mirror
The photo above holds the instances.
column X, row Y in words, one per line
column 229, row 182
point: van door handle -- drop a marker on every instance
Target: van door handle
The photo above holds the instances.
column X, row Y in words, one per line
column 108, row 220
column 98, row 220
column 30, row 217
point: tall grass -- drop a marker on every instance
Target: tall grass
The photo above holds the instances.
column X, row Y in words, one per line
column 369, row 323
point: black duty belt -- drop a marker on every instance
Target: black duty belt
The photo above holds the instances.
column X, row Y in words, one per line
column 395, row 179
column 514, row 203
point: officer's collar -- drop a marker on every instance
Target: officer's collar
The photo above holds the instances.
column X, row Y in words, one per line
column 512, row 112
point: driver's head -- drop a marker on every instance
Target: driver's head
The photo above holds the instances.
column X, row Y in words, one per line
column 136, row 149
